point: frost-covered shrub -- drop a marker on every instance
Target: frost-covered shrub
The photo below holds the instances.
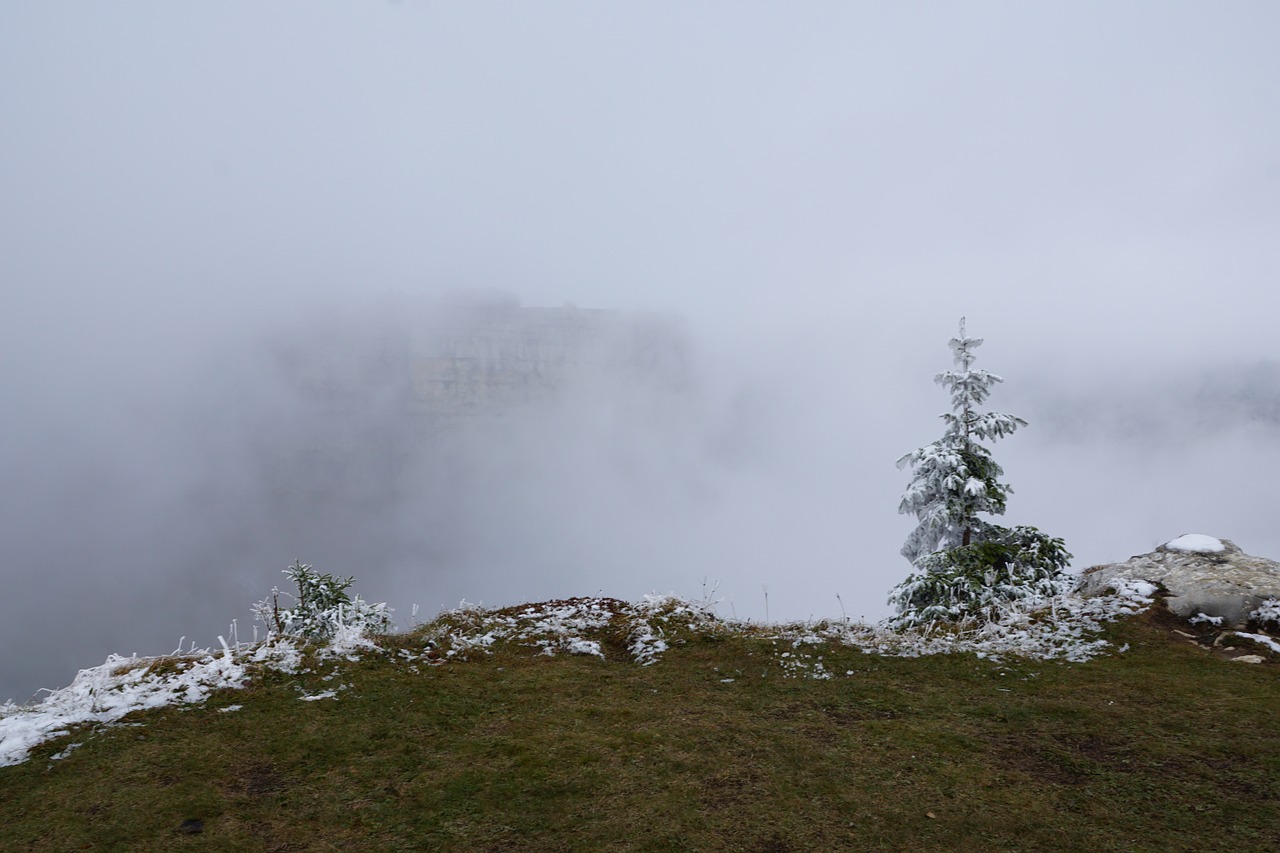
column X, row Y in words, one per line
column 321, row 607
column 975, row 581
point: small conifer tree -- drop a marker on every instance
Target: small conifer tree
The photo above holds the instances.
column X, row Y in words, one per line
column 321, row 606
column 968, row 566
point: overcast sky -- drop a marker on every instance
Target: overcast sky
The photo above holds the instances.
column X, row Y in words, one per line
column 816, row 190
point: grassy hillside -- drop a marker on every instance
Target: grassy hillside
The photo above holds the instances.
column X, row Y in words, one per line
column 716, row 746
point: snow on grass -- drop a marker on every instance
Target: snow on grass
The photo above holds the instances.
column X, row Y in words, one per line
column 58, row 756
column 316, row 697
column 579, row 646
column 1196, row 543
column 1260, row 639
column 104, row 694
column 1064, row 627
column 644, row 628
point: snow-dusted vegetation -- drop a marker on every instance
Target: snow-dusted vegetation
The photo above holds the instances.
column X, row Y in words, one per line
column 321, row 609
column 104, row 694
column 967, row 568
column 1064, row 627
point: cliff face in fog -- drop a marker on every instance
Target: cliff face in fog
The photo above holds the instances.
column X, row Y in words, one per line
column 370, row 398
column 486, row 359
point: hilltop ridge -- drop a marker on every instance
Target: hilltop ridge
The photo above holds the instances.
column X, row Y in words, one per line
column 569, row 725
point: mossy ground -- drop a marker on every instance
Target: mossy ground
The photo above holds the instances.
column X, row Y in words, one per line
column 1166, row 747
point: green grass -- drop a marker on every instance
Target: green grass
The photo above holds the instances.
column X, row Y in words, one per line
column 1167, row 747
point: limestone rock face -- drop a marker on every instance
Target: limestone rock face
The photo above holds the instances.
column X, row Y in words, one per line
column 1203, row 575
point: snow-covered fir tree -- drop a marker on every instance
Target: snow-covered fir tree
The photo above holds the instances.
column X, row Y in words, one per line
column 966, row 564
column 954, row 478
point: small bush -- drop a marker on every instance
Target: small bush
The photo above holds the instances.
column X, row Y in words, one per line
column 973, row 582
column 322, row 606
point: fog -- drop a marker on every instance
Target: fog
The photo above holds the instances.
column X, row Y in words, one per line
column 208, row 213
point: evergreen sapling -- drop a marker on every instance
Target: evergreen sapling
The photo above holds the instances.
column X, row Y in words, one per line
column 967, row 567
column 322, row 605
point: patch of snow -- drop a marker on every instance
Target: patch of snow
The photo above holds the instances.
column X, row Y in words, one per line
column 1268, row 611
column 70, row 749
column 229, row 709
column 316, row 697
column 646, row 645
column 1260, row 639
column 579, row 646
column 1196, row 543
column 104, row 694
column 1141, row 588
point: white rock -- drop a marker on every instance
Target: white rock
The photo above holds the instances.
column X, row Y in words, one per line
column 1219, row 582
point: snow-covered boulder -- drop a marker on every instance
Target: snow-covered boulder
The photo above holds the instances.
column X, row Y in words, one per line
column 1203, row 575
